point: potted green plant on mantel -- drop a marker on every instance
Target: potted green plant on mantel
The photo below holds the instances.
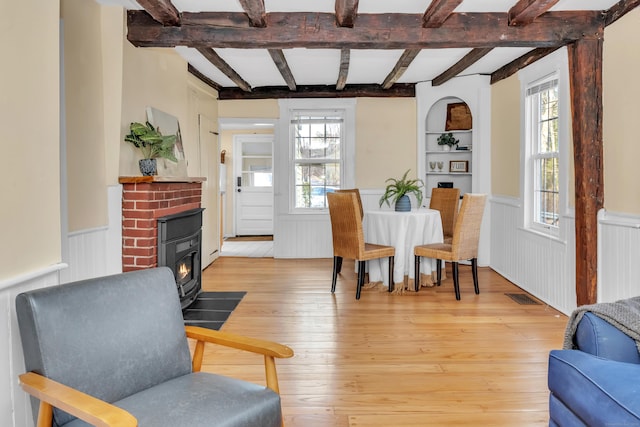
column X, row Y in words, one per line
column 152, row 145
column 447, row 141
column 398, row 191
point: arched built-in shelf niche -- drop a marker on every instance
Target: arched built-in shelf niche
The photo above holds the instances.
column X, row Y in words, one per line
column 453, row 167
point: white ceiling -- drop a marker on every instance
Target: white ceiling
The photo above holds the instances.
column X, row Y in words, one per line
column 321, row 66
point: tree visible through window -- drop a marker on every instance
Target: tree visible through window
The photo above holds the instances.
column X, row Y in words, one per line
column 317, row 151
column 543, row 107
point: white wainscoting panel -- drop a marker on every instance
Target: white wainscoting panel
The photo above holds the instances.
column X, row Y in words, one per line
column 15, row 406
column 304, row 236
column 97, row 252
column 618, row 256
column 538, row 264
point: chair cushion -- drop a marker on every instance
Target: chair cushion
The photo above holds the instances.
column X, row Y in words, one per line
column 205, row 400
column 109, row 337
column 598, row 391
column 600, row 338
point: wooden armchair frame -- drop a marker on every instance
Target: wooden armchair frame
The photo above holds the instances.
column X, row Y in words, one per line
column 102, row 414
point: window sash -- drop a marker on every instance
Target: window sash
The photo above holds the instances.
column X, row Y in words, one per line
column 317, row 150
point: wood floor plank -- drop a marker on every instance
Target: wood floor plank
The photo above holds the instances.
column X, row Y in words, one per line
column 417, row 359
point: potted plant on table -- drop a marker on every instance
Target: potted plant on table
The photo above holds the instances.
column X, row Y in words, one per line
column 152, row 144
column 447, row 141
column 398, row 190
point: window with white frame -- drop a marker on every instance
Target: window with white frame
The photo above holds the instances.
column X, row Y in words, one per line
column 318, row 156
column 543, row 140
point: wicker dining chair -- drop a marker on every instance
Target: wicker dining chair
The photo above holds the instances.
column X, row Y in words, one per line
column 348, row 239
column 357, row 193
column 446, row 201
column 464, row 246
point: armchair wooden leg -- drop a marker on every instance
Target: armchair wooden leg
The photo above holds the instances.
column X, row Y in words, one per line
column 391, row 265
column 438, row 271
column 337, row 266
column 416, row 280
column 456, row 278
column 474, row 272
column 361, row 268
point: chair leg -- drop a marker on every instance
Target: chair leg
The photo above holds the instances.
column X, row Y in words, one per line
column 456, row 282
column 438, row 272
column 474, row 272
column 361, row 268
column 337, row 263
column 391, row 265
column 416, row 280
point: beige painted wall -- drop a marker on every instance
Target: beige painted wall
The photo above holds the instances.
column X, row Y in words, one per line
column 621, row 95
column 386, row 138
column 621, row 57
column 505, row 137
column 29, row 107
column 155, row 78
column 86, row 184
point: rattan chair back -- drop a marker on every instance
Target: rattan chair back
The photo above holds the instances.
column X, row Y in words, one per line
column 346, row 225
column 446, row 200
column 466, row 233
column 357, row 193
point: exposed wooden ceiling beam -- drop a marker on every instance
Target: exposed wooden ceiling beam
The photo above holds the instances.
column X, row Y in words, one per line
column 193, row 70
column 162, row 11
column 374, row 31
column 346, row 12
column 220, row 63
column 521, row 62
column 401, row 66
column 345, row 57
column 350, row 91
column 469, row 59
column 281, row 62
column 255, row 11
column 620, row 9
column 525, row 11
column 438, row 12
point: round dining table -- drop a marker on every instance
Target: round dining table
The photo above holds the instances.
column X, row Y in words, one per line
column 403, row 231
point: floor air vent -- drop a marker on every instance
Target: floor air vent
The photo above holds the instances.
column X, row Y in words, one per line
column 523, row 299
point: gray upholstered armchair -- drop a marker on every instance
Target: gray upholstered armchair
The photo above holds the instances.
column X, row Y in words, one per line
column 113, row 351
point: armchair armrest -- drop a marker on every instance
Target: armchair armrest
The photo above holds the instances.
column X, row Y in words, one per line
column 268, row 349
column 81, row 405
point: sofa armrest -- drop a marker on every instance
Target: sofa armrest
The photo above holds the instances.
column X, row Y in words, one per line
column 81, row 405
column 600, row 338
column 269, row 349
column 598, row 391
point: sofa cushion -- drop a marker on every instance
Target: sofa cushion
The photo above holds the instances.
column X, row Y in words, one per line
column 600, row 338
column 109, row 337
column 598, row 391
column 206, row 400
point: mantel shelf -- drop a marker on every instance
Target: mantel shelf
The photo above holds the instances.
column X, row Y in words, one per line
column 155, row 178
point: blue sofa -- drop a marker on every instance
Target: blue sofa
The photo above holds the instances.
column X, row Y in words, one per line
column 597, row 384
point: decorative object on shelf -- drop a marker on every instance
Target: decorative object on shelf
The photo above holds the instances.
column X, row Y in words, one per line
column 398, row 191
column 447, row 140
column 456, row 166
column 440, row 166
column 458, row 117
column 152, row 144
column 445, row 185
column 432, row 165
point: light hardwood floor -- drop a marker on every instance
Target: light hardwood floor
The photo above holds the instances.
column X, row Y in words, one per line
column 420, row 359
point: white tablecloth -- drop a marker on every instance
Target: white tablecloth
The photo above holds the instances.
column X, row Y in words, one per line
column 403, row 231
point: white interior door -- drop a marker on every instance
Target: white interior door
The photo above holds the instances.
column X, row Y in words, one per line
column 210, row 199
column 253, row 175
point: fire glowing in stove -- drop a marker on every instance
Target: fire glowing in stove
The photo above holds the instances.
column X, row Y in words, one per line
column 183, row 271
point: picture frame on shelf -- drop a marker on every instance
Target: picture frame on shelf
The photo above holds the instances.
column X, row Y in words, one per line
column 458, row 166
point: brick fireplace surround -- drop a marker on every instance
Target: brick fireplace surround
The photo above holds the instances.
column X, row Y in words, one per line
column 144, row 200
